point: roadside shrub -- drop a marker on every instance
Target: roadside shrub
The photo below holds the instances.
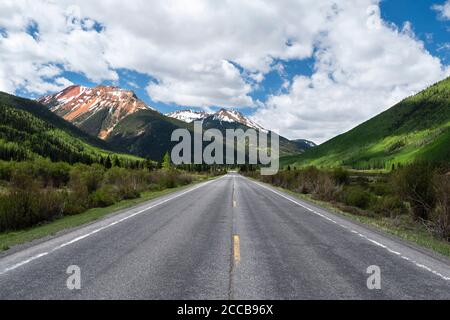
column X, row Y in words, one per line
column 414, row 183
column 362, row 181
column 154, row 187
column 16, row 210
column 127, row 183
column 24, row 208
column 37, row 191
column 168, row 180
column 84, row 180
column 5, row 170
column 50, row 204
column 184, row 179
column 340, row 176
column 440, row 216
column 357, row 197
column 440, row 221
column 20, row 180
column 89, row 177
column 103, row 197
column 152, row 178
column 389, row 206
column 381, row 188
column 53, row 174
column 157, row 180
column 308, row 179
column 49, row 173
column 354, row 210
column 76, row 200
column 325, row 187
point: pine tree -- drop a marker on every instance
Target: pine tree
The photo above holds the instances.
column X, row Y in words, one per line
column 116, row 162
column 166, row 161
column 108, row 163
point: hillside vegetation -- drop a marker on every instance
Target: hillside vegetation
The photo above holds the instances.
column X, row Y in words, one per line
column 39, row 191
column 28, row 131
column 50, row 169
column 146, row 133
column 418, row 128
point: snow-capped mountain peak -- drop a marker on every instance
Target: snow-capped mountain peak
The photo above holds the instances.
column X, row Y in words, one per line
column 188, row 115
column 226, row 115
column 231, row 115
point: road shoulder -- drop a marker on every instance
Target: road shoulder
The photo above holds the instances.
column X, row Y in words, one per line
column 420, row 256
column 15, row 241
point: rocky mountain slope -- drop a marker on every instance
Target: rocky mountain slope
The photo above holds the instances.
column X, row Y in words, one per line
column 127, row 123
column 29, row 131
column 95, row 110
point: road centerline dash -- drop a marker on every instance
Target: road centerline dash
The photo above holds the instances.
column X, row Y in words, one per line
column 236, row 249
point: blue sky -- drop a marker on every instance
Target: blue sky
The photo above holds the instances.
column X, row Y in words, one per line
column 132, row 80
column 433, row 31
column 310, row 69
column 426, row 26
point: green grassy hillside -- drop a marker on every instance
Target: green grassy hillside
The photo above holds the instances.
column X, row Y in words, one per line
column 28, row 130
column 416, row 128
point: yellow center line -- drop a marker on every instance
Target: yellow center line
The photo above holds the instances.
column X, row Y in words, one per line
column 236, row 249
column 234, row 203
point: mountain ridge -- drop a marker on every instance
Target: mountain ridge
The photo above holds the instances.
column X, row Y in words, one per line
column 187, row 115
column 417, row 128
column 118, row 117
column 28, row 130
column 227, row 115
column 105, row 106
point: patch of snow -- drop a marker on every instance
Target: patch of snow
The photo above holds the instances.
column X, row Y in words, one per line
column 187, row 115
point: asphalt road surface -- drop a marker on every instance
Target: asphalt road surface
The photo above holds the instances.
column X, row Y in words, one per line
column 229, row 238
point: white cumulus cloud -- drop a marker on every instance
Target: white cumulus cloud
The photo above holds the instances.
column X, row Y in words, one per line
column 216, row 53
column 443, row 9
column 61, row 41
column 363, row 65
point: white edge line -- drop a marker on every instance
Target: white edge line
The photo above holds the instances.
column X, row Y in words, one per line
column 37, row 256
column 356, row 232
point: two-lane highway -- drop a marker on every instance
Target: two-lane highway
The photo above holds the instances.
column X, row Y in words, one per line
column 230, row 238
